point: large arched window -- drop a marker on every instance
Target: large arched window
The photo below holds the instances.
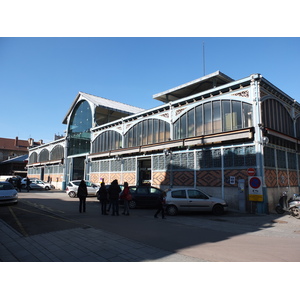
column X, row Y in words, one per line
column 57, row 153
column 79, row 129
column 106, row 141
column 147, row 132
column 275, row 116
column 32, row 158
column 213, row 117
column 44, row 155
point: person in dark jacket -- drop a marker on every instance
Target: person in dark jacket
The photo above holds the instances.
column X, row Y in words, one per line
column 161, row 206
column 102, row 196
column 82, row 194
column 114, row 191
column 28, row 184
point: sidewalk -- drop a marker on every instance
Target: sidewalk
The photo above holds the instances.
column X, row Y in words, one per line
column 79, row 245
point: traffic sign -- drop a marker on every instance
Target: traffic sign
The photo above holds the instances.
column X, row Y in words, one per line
column 255, row 188
column 255, row 182
column 251, row 172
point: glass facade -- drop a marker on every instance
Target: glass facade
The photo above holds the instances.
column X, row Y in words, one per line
column 79, row 129
column 146, row 132
column 213, row 117
column 280, row 119
column 106, row 141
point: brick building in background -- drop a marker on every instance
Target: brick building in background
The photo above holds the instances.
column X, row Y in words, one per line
column 14, row 154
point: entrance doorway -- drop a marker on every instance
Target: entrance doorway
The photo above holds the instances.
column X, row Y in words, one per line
column 144, row 171
column 78, row 168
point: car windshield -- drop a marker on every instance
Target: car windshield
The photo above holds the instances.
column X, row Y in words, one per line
column 6, row 186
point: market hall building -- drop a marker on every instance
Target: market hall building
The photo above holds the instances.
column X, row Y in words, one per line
column 235, row 139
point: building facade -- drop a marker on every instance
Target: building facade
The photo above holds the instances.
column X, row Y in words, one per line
column 236, row 139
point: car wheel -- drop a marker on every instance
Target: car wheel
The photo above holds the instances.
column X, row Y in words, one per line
column 218, row 210
column 72, row 194
column 47, row 188
column 132, row 204
column 172, row 210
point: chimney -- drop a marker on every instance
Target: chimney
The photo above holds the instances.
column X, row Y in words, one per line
column 30, row 142
column 16, row 142
column 40, row 142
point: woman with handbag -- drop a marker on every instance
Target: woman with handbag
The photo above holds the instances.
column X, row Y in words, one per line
column 126, row 197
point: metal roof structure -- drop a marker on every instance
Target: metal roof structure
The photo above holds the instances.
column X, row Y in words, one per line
column 199, row 85
column 17, row 159
column 104, row 103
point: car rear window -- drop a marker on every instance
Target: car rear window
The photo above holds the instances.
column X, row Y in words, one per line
column 179, row 194
column 143, row 190
column 6, row 186
column 154, row 191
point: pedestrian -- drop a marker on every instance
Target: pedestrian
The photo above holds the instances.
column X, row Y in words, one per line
column 102, row 196
column 28, row 184
column 82, row 194
column 114, row 192
column 161, row 206
column 126, row 197
column 19, row 184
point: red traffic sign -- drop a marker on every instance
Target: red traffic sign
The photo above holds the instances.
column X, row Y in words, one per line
column 251, row 172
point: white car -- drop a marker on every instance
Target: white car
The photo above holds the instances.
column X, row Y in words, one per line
column 8, row 193
column 72, row 188
column 190, row 199
column 37, row 184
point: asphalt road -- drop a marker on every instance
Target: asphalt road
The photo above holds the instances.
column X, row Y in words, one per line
column 231, row 237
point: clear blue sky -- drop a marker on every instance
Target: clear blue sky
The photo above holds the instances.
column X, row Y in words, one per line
column 40, row 77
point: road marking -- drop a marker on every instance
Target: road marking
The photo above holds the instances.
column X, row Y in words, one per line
column 43, row 207
column 53, row 217
column 18, row 222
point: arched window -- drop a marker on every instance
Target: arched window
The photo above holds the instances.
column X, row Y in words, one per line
column 44, row 155
column 275, row 116
column 57, row 153
column 32, row 158
column 106, row 141
column 213, row 117
column 79, row 129
column 147, row 132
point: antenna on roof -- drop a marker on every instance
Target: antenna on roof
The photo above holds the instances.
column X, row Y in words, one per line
column 203, row 55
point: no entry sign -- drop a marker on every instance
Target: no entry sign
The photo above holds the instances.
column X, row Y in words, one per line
column 251, row 172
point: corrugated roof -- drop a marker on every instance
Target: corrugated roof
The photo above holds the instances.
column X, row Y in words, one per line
column 193, row 87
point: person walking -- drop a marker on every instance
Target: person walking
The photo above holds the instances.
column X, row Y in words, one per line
column 102, row 196
column 126, row 197
column 28, row 184
column 82, row 194
column 114, row 191
column 19, row 184
column 161, row 206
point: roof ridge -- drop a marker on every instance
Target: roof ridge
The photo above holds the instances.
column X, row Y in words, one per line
column 111, row 100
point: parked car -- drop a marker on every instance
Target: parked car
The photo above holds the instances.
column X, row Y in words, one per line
column 37, row 184
column 190, row 199
column 8, row 193
column 72, row 188
column 144, row 196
